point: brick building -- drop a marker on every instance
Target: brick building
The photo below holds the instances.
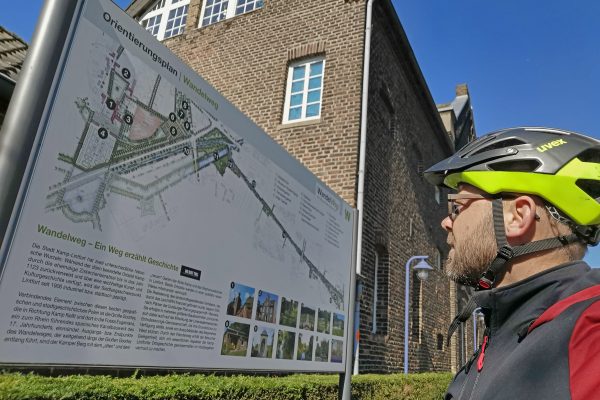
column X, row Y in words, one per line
column 296, row 69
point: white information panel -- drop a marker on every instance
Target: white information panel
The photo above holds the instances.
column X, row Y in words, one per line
column 162, row 228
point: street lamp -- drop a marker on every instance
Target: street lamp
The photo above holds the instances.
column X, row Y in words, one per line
column 422, row 269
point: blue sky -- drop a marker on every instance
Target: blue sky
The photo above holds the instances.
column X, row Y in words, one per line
column 526, row 62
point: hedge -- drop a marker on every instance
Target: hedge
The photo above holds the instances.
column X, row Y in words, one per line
column 16, row 386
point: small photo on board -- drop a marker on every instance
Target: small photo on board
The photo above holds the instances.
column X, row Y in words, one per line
column 289, row 312
column 285, row 345
column 262, row 342
column 305, row 347
column 235, row 339
column 266, row 308
column 337, row 351
column 324, row 321
column 307, row 318
column 321, row 349
column 338, row 324
column 241, row 300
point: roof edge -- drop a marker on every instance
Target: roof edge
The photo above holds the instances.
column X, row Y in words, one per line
column 392, row 15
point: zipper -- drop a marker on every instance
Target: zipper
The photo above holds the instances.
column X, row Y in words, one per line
column 480, row 362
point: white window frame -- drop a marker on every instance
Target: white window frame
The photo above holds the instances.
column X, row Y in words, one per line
column 288, row 90
column 180, row 28
column 164, row 11
column 229, row 13
column 157, row 16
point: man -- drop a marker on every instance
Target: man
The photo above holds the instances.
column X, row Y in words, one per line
column 526, row 209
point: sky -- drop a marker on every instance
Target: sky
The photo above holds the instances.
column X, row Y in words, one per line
column 525, row 62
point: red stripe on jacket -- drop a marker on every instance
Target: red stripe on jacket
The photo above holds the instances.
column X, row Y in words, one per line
column 584, row 355
column 562, row 305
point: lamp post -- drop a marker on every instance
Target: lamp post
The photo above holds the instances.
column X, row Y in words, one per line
column 422, row 269
column 477, row 317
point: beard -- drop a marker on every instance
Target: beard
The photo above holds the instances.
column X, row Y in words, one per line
column 472, row 254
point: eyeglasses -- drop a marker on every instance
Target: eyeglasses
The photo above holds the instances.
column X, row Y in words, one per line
column 455, row 208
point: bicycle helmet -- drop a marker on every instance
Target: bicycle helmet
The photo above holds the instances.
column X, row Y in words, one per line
column 561, row 167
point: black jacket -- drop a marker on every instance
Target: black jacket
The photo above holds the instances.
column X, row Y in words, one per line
column 556, row 358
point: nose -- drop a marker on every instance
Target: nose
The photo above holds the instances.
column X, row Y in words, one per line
column 447, row 224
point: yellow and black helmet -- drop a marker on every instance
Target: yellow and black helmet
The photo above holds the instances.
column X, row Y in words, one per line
column 561, row 167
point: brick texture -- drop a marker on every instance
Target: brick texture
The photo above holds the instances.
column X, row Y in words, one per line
column 404, row 136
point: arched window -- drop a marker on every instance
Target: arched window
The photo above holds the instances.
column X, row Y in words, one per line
column 380, row 301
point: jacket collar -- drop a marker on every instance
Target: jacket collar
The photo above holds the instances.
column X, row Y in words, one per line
column 515, row 306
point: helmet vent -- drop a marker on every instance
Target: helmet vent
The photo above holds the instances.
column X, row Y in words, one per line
column 515, row 165
column 590, row 155
column 499, row 145
column 590, row 186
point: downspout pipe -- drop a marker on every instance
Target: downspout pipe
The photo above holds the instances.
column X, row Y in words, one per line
column 360, row 193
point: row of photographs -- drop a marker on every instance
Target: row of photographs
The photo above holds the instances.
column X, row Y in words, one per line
column 307, row 347
column 240, row 304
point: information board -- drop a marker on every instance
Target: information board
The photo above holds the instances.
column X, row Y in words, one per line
column 162, row 228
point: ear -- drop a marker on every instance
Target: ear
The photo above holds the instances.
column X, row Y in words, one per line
column 519, row 219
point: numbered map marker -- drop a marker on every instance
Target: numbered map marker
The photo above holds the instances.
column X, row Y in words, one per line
column 103, row 133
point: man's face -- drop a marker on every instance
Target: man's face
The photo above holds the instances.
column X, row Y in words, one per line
column 470, row 237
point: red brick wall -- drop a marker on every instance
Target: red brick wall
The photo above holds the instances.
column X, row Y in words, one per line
column 404, row 136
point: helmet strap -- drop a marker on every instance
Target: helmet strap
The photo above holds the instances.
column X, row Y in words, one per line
column 507, row 252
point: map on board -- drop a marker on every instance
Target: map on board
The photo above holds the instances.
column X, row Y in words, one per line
column 162, row 227
column 142, row 137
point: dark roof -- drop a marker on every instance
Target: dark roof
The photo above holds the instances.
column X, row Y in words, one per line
column 12, row 54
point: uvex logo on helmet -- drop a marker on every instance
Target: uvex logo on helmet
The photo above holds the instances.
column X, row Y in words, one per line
column 551, row 145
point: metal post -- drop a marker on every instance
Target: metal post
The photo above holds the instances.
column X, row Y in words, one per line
column 29, row 99
column 406, row 300
column 345, row 391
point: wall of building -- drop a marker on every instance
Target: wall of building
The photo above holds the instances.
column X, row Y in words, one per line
column 246, row 58
column 402, row 216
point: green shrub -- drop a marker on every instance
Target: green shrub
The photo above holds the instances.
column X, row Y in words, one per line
column 15, row 386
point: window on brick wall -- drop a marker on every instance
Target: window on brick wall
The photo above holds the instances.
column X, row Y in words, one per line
column 217, row 10
column 304, row 91
column 379, row 307
column 166, row 18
